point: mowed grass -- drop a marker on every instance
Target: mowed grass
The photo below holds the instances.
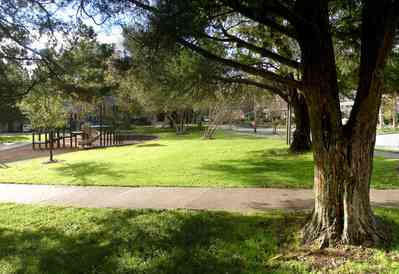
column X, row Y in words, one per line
column 15, row 138
column 36, row 239
column 387, row 130
column 230, row 160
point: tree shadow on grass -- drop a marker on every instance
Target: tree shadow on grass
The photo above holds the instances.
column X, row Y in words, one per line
column 151, row 145
column 390, row 218
column 385, row 173
column 267, row 168
column 149, row 242
column 86, row 173
column 280, row 168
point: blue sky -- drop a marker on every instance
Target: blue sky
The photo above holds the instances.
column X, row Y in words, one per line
column 106, row 33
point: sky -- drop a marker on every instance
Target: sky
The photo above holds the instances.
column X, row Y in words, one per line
column 106, row 33
column 111, row 35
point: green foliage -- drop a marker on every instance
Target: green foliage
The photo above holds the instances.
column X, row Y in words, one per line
column 391, row 72
column 14, row 82
column 87, row 69
column 45, row 109
column 164, row 80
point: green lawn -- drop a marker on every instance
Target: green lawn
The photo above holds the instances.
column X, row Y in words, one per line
column 37, row 239
column 230, row 160
column 387, row 130
column 14, row 138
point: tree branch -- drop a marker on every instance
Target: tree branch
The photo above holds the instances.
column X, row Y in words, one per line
column 260, row 17
column 243, row 67
column 377, row 43
column 262, row 51
column 254, row 83
column 143, row 6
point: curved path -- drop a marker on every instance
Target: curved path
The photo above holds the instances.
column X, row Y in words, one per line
column 229, row 199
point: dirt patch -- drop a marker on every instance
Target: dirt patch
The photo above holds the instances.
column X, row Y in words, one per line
column 327, row 260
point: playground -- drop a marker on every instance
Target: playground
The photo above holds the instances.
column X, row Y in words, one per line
column 65, row 142
column 81, row 130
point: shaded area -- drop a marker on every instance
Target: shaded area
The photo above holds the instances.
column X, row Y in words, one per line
column 280, row 168
column 290, row 204
column 268, row 168
column 392, row 204
column 85, row 173
column 151, row 145
column 66, row 240
column 138, row 137
column 104, row 241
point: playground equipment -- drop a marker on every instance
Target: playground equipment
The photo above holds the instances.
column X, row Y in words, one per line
column 89, row 137
column 80, row 134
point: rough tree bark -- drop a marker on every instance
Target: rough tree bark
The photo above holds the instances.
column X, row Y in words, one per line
column 301, row 141
column 343, row 154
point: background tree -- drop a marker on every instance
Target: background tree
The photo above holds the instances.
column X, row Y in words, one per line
column 171, row 81
column 45, row 109
column 392, row 84
column 221, row 105
column 14, row 80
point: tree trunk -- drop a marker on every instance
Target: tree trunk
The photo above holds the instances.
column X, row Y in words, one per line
column 343, row 155
column 342, row 212
column 179, row 121
column 301, row 138
column 381, row 116
column 51, row 146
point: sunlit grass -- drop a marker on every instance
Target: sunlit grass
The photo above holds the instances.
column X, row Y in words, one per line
column 14, row 138
column 230, row 160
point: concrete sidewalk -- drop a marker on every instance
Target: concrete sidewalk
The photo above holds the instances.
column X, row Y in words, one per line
column 229, row 199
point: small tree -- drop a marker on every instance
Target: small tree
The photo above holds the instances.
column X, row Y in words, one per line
column 46, row 110
column 221, row 106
